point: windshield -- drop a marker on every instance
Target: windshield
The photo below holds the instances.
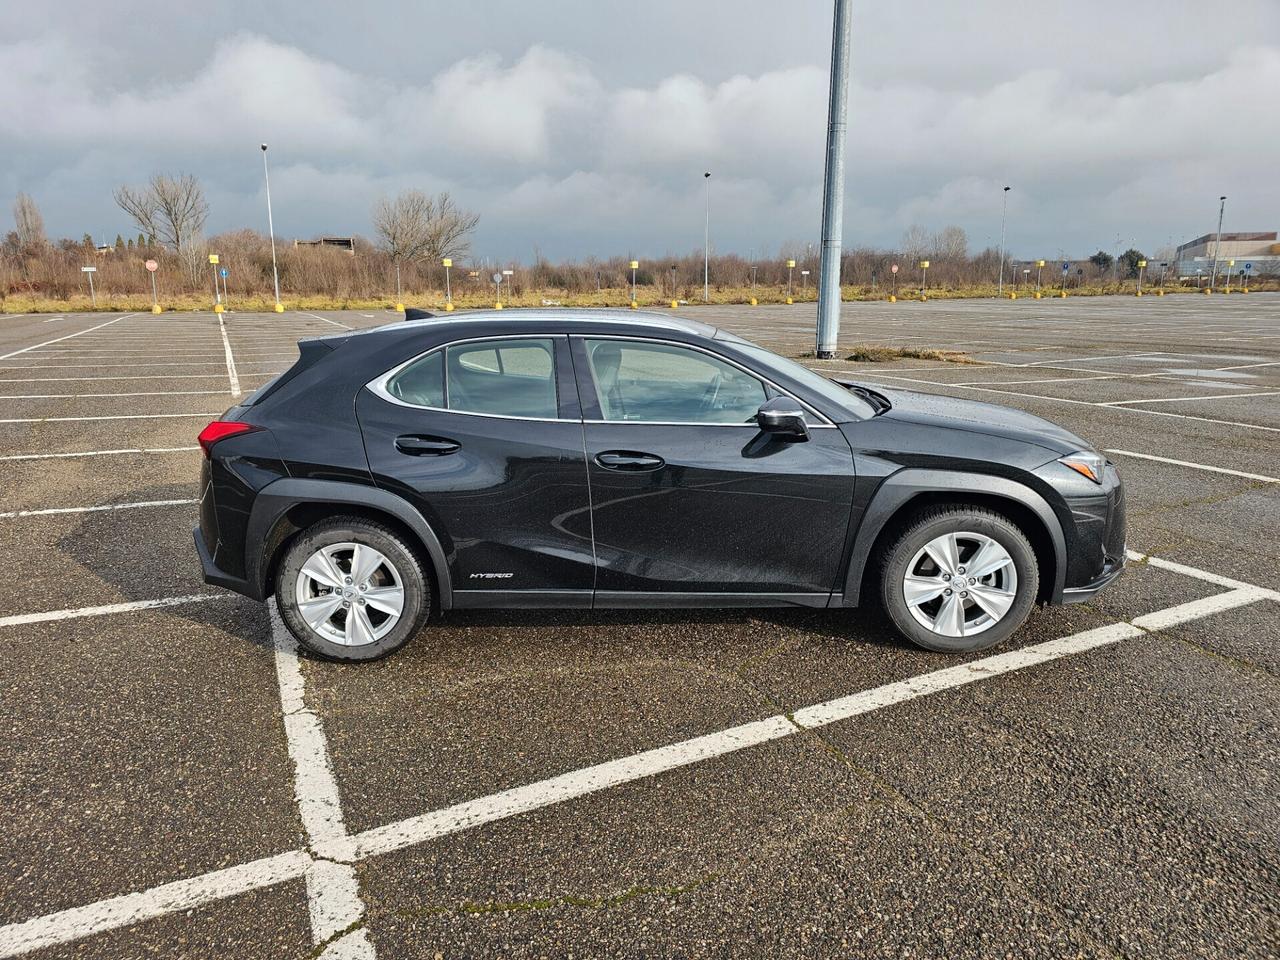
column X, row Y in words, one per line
column 838, row 398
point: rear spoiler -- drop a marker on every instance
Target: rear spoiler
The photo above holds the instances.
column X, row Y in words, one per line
column 310, row 351
column 415, row 313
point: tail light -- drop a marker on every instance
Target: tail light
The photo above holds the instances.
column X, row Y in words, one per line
column 220, row 430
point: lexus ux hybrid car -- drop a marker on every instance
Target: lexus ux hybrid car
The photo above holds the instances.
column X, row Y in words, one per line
column 592, row 460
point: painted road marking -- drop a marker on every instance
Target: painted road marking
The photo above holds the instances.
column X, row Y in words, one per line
column 231, row 361
column 144, row 376
column 21, row 619
column 78, row 333
column 118, row 416
column 94, row 453
column 333, row 894
column 327, row 320
column 1197, row 466
column 1216, row 396
column 98, row 396
column 49, row 511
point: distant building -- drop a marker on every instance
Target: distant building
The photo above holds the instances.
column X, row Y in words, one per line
column 1259, row 250
column 342, row 243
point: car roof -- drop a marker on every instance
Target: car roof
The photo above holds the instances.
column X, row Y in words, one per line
column 542, row 316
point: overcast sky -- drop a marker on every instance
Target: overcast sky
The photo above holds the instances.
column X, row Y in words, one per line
column 584, row 126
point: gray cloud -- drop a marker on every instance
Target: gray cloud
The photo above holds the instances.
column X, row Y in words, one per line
column 584, row 128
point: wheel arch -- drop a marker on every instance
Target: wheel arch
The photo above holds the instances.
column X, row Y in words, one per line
column 907, row 492
column 286, row 507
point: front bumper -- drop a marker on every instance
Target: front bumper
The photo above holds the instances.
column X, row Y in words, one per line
column 214, row 575
column 1110, row 573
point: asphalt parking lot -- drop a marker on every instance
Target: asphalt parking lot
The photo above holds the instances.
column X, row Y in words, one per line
column 178, row 782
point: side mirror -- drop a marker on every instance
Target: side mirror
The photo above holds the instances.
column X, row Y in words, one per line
column 782, row 418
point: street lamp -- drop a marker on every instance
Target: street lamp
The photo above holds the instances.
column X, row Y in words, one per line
column 1004, row 210
column 706, row 245
column 1217, row 245
column 271, row 230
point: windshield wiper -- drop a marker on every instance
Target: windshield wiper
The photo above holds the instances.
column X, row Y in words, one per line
column 879, row 402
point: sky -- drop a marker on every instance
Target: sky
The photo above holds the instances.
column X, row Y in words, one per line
column 578, row 128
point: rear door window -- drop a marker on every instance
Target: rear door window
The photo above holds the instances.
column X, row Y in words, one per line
column 510, row 378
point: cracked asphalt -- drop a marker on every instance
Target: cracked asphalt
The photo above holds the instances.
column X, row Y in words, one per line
column 1121, row 802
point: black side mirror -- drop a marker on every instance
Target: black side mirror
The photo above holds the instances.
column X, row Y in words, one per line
column 782, row 418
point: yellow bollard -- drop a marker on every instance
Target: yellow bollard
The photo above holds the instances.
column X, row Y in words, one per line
column 1207, row 291
column 217, row 308
column 923, row 298
column 892, row 298
column 279, row 308
column 1063, row 294
column 754, row 302
column 1159, row 293
column 634, row 305
column 1012, row 295
column 789, row 300
column 399, row 308
column 675, row 304
column 1037, row 294
column 498, row 305
column 1138, row 293
column 157, row 309
column 448, row 307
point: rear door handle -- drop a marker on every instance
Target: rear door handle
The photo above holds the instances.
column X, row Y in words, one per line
column 629, row 460
column 426, row 446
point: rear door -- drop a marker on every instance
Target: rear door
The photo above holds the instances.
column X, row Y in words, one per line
column 689, row 497
column 484, row 437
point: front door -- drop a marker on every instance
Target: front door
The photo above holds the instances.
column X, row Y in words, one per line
column 688, row 496
column 484, row 437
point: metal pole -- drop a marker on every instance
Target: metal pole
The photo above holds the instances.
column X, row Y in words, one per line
column 706, row 246
column 217, row 295
column 397, row 281
column 833, row 183
column 271, row 228
column 1004, row 210
column 1217, row 246
column 92, row 295
column 155, row 300
column 448, row 291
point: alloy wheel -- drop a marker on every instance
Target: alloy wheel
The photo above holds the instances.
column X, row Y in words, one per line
column 349, row 593
column 960, row 584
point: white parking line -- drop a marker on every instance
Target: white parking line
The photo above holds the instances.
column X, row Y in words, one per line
column 98, row 396
column 119, row 416
column 332, row 891
column 49, row 511
column 231, row 361
column 144, row 376
column 20, row 619
column 78, row 333
column 327, row 320
column 1216, row 396
column 1196, row 466
column 93, row 453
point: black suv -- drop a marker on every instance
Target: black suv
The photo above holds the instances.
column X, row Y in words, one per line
column 589, row 459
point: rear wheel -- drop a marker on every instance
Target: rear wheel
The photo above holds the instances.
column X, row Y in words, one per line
column 959, row 578
column 351, row 589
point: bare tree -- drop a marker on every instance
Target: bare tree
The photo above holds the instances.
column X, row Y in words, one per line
column 915, row 241
column 951, row 244
column 417, row 226
column 30, row 225
column 169, row 209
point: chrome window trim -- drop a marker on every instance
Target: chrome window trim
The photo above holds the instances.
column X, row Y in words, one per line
column 825, row 421
column 378, row 385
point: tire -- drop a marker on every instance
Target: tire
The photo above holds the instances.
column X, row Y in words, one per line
column 923, row 550
column 320, row 596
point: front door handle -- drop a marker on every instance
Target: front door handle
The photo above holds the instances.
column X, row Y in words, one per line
column 426, row 446
column 629, row 460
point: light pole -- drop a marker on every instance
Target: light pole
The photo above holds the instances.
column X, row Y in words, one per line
column 1217, row 245
column 833, row 184
column 271, row 231
column 448, row 290
column 706, row 245
column 1004, row 211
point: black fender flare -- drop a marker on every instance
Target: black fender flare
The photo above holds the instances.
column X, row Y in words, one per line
column 281, row 495
column 899, row 488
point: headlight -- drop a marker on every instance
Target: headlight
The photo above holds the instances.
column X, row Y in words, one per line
column 1086, row 462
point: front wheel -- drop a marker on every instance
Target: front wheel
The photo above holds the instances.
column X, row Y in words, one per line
column 351, row 589
column 959, row 579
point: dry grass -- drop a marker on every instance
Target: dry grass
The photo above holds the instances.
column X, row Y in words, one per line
column 863, row 354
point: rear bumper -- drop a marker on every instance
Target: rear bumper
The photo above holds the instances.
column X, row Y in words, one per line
column 218, row 577
column 1110, row 574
